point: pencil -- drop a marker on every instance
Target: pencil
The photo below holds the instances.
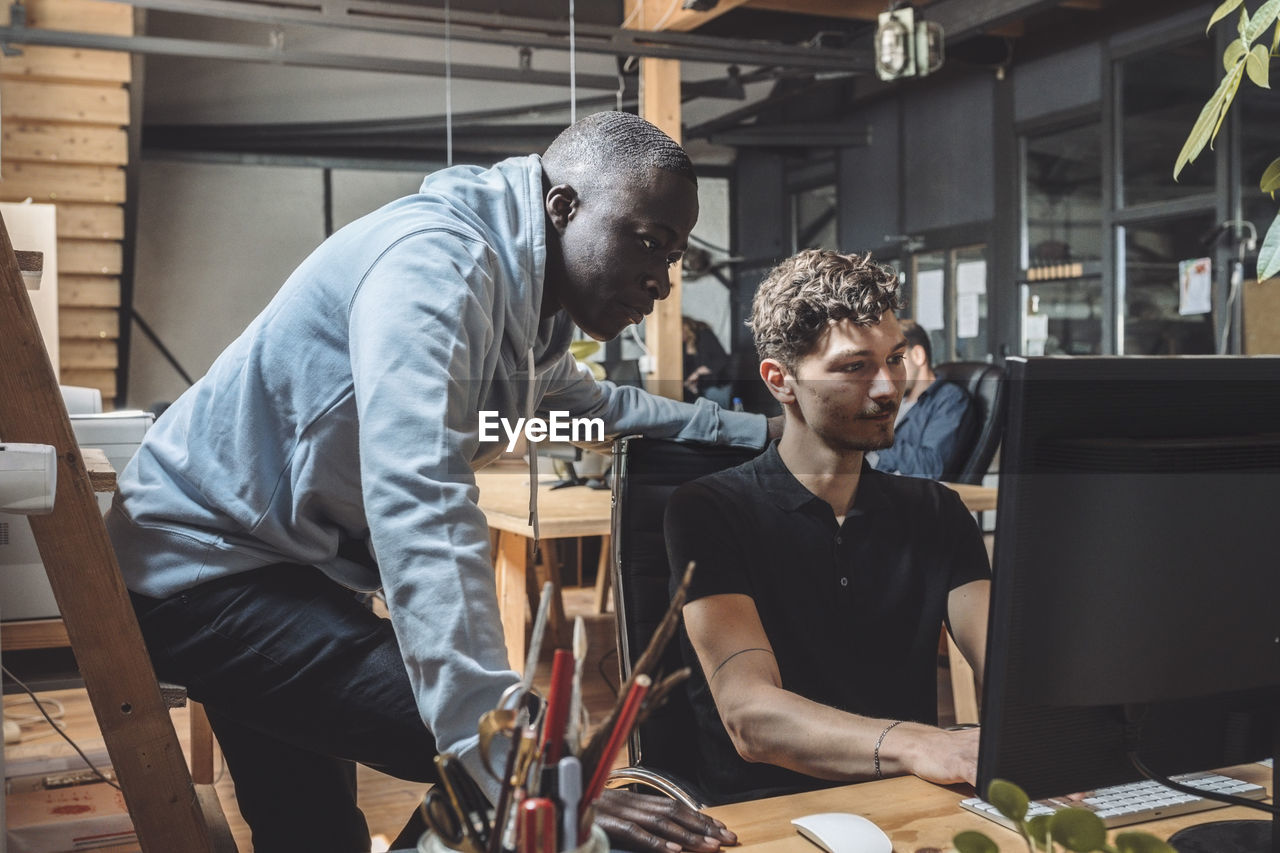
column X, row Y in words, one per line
column 621, row 731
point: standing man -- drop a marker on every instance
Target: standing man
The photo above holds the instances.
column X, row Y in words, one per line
column 821, row 584
column 330, row 450
column 936, row 421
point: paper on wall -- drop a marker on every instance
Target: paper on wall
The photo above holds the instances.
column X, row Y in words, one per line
column 968, row 319
column 971, row 277
column 928, row 310
column 1195, row 278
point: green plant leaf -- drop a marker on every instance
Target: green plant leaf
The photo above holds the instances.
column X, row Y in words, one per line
column 1232, row 82
column 1258, row 65
column 1227, row 7
column 1232, row 54
column 1275, row 39
column 1268, row 255
column 1078, row 830
column 1206, row 126
column 1140, row 842
column 1038, row 830
column 1263, row 18
column 974, row 842
column 1244, row 22
column 1271, row 178
column 1009, row 799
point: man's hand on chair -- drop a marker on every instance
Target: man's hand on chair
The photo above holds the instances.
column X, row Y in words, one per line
column 644, row 822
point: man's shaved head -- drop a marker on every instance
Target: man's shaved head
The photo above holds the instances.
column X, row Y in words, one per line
column 612, row 146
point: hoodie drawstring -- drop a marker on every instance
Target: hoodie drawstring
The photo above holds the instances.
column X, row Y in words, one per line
column 533, row 455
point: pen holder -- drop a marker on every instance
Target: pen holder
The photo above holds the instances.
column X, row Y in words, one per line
column 598, row 842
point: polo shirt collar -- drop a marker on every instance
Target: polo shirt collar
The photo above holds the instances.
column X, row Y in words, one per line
column 787, row 493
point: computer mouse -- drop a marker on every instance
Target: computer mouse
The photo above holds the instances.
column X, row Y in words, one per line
column 840, row 832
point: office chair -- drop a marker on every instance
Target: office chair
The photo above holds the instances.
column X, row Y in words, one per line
column 985, row 384
column 645, row 473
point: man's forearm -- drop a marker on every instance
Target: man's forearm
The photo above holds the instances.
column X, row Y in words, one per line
column 782, row 728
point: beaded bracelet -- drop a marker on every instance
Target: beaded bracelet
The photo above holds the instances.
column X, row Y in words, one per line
column 880, row 742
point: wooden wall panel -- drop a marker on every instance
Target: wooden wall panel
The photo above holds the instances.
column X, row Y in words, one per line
column 68, row 65
column 88, row 291
column 90, row 221
column 103, row 380
column 57, row 182
column 86, row 16
column 43, row 142
column 64, row 115
column 93, row 355
column 65, row 102
column 96, row 323
column 89, row 257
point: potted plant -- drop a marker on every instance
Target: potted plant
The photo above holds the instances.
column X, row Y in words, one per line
column 1246, row 56
column 1077, row 830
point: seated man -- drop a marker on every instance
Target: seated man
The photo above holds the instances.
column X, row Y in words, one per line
column 821, row 584
column 936, row 420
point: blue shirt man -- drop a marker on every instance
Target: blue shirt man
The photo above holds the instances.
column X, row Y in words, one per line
column 936, row 421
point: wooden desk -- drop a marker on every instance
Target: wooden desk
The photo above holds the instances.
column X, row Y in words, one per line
column 562, row 514
column 566, row 513
column 918, row 816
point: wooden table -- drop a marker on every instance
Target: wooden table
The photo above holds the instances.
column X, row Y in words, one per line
column 562, row 514
column 919, row 816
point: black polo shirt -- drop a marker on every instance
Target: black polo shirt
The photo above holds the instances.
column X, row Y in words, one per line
column 852, row 610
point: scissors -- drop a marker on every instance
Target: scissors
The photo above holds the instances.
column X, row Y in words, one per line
column 443, row 819
column 457, row 809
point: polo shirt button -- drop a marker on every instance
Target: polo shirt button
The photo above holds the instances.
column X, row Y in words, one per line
column 844, row 581
column 839, row 540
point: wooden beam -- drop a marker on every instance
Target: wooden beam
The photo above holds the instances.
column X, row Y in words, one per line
column 33, row 634
column 857, row 10
column 660, row 104
column 680, row 20
column 964, row 18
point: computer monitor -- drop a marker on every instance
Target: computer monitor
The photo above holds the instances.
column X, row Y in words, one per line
column 1136, row 580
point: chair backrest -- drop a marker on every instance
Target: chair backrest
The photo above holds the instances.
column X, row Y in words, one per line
column 985, row 384
column 645, row 473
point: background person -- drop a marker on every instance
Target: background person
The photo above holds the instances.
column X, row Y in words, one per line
column 936, row 421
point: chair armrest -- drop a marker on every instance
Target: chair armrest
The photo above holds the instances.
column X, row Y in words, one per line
column 663, row 783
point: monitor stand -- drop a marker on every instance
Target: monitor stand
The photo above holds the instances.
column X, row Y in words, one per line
column 1234, row 836
column 1226, row 836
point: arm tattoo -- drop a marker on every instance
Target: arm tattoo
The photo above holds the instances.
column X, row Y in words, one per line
column 732, row 656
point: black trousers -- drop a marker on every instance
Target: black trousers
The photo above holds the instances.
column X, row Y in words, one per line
column 301, row 681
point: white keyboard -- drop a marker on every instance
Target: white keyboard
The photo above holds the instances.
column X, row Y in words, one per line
column 1134, row 802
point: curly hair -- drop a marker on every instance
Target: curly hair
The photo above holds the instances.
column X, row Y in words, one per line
column 609, row 145
column 809, row 291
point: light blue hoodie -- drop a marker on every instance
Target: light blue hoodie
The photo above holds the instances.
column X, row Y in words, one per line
column 340, row 429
